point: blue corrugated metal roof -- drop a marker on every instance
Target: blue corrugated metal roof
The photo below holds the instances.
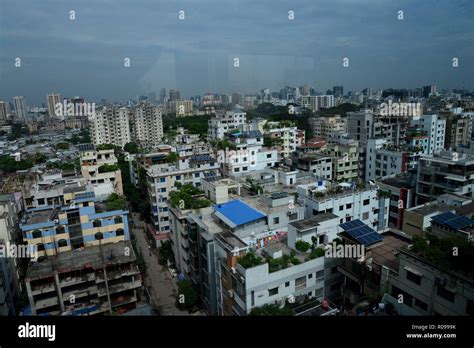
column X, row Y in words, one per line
column 238, row 212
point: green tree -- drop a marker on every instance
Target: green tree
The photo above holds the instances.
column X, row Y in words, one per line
column 187, row 295
column 116, row 202
column 271, row 310
column 172, row 157
column 302, row 246
column 62, row 146
column 131, row 148
column 107, row 168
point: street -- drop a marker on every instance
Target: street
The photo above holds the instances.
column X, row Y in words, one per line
column 158, row 280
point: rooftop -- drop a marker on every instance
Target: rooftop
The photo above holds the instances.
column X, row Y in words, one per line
column 312, row 221
column 385, row 254
column 94, row 256
column 39, row 216
column 237, row 213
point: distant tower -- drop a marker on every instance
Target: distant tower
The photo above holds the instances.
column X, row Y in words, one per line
column 53, row 99
column 20, row 108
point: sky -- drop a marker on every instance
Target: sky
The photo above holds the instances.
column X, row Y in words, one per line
column 86, row 56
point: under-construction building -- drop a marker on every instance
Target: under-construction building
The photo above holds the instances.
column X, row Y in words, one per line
column 102, row 279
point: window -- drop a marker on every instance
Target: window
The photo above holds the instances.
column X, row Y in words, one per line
column 62, row 243
column 300, row 283
column 273, row 292
column 348, row 206
column 236, row 170
column 252, row 298
column 366, row 201
column 469, row 307
column 162, row 179
column 99, row 236
column 310, row 276
column 40, row 247
column 293, row 216
column 36, row 234
column 85, row 204
column 118, row 220
column 334, row 270
column 287, row 284
column 420, row 304
column 446, row 294
column 196, row 175
column 341, row 207
column 178, row 177
column 320, row 274
column 163, row 189
column 365, row 216
column 120, row 232
column 60, row 230
column 269, row 155
column 276, row 220
column 97, row 223
column 413, row 277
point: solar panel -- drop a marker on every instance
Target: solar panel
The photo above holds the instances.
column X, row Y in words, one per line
column 452, row 220
column 361, row 232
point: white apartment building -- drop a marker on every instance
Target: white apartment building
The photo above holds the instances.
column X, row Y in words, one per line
column 381, row 161
column 20, row 108
column 147, row 125
column 53, row 99
column 99, row 168
column 348, row 203
column 314, row 103
column 223, row 123
column 161, row 180
column 320, row 165
column 250, row 155
column 111, row 126
column 435, row 128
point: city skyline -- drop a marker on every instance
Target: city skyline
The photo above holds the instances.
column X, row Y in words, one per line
column 85, row 56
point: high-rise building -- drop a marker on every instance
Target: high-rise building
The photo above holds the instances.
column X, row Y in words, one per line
column 111, row 126
column 237, row 99
column 20, row 108
column 338, row 90
column 3, row 110
column 174, row 95
column 53, row 99
column 182, row 108
column 435, row 129
column 162, row 97
column 429, row 91
column 147, row 125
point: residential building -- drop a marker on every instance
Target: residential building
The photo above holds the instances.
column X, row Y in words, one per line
column 346, row 201
column 435, row 129
column 401, row 189
column 53, row 99
column 182, row 108
column 161, row 180
column 448, row 172
column 20, row 108
column 100, row 169
column 146, row 125
column 79, row 222
column 101, row 279
column 223, row 123
column 111, row 126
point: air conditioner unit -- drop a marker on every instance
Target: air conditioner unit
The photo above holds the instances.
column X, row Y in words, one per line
column 56, row 221
column 242, row 279
column 231, row 293
column 233, row 270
